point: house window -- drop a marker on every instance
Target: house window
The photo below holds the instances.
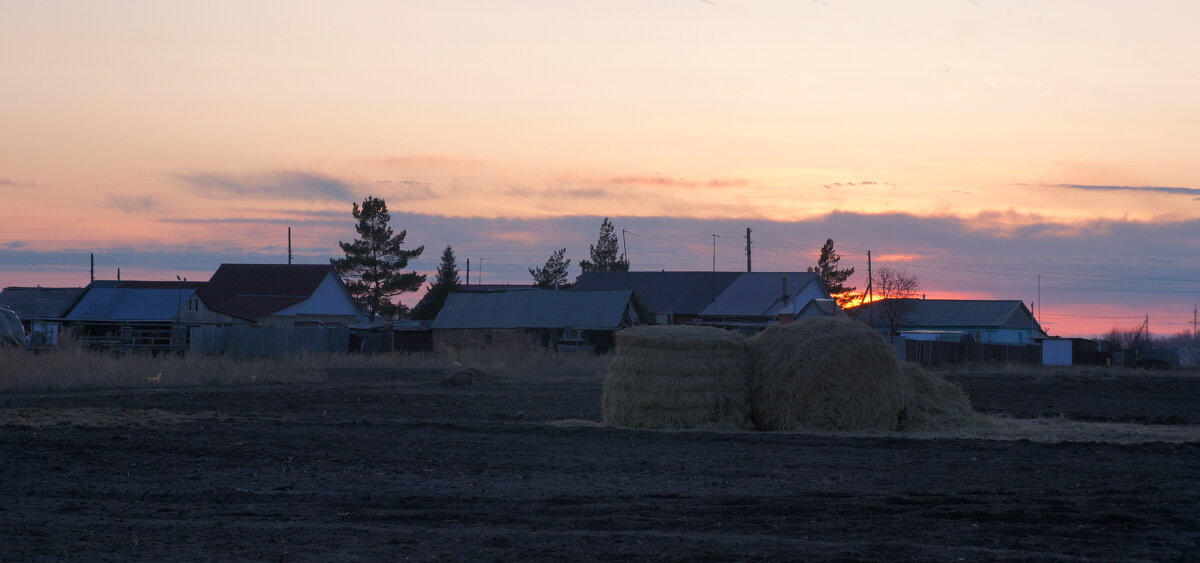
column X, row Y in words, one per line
column 573, row 335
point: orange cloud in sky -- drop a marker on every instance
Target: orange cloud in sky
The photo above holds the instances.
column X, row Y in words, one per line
column 900, row 257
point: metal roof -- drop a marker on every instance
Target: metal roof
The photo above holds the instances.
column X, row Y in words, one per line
column 535, row 308
column 250, row 291
column 40, row 302
column 681, row 293
column 945, row 313
column 125, row 304
column 760, row 293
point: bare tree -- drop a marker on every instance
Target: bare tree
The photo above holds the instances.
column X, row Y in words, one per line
column 897, row 290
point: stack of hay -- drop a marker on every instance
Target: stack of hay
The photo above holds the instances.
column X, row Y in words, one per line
column 675, row 377
column 839, row 374
column 825, row 373
column 934, row 403
column 817, row 373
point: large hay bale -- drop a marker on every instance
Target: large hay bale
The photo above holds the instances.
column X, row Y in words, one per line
column 825, row 373
column 675, row 377
column 934, row 403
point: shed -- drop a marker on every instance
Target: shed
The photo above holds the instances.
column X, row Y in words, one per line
column 40, row 303
column 1072, row 352
column 139, row 315
column 562, row 320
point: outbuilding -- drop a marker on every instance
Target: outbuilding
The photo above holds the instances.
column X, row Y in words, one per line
column 533, row 319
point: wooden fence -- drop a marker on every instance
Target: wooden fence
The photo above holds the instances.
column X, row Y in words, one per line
column 928, row 352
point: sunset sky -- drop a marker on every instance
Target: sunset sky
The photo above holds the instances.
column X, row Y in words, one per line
column 977, row 143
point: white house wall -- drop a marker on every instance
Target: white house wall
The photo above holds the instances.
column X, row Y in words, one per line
column 810, row 292
column 330, row 299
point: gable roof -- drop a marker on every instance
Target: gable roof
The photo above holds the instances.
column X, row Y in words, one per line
column 706, row 293
column 535, row 308
column 131, row 301
column 682, row 293
column 821, row 308
column 959, row 313
column 40, row 302
column 761, row 293
column 251, row 291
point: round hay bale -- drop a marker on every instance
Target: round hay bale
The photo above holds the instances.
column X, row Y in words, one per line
column 934, row 403
column 825, row 373
column 676, row 377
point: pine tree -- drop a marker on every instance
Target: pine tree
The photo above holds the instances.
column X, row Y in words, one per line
column 554, row 274
column 834, row 278
column 374, row 262
column 604, row 253
column 447, row 280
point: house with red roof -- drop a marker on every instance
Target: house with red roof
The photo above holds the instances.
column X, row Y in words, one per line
column 280, row 295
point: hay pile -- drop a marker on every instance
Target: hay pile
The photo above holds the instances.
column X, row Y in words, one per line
column 934, row 403
column 675, row 377
column 825, row 373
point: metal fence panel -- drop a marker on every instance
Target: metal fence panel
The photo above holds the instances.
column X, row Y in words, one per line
column 270, row 342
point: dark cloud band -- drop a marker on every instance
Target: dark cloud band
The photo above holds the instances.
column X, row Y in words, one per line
column 1157, row 189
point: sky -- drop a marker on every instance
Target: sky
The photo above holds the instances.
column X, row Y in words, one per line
column 1043, row 151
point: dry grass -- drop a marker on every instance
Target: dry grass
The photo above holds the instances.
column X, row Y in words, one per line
column 72, row 367
column 677, row 377
column 529, row 365
column 825, row 373
column 934, row 403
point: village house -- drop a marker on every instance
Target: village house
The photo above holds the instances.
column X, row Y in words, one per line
column 979, row 320
column 532, row 319
column 280, row 295
column 747, row 301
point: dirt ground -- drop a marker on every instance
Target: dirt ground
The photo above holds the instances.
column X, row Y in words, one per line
column 387, row 465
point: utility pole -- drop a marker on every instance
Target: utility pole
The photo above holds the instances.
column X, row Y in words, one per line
column 625, row 249
column 118, row 274
column 289, row 245
column 468, row 271
column 1038, row 308
column 93, row 268
column 748, row 269
column 1194, row 317
column 870, row 287
column 714, row 269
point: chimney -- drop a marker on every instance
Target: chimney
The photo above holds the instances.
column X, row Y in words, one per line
column 784, row 297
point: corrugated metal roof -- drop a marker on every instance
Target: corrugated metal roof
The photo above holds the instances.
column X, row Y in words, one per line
column 759, row 293
column 40, row 302
column 122, row 304
column 541, row 308
column 935, row 313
